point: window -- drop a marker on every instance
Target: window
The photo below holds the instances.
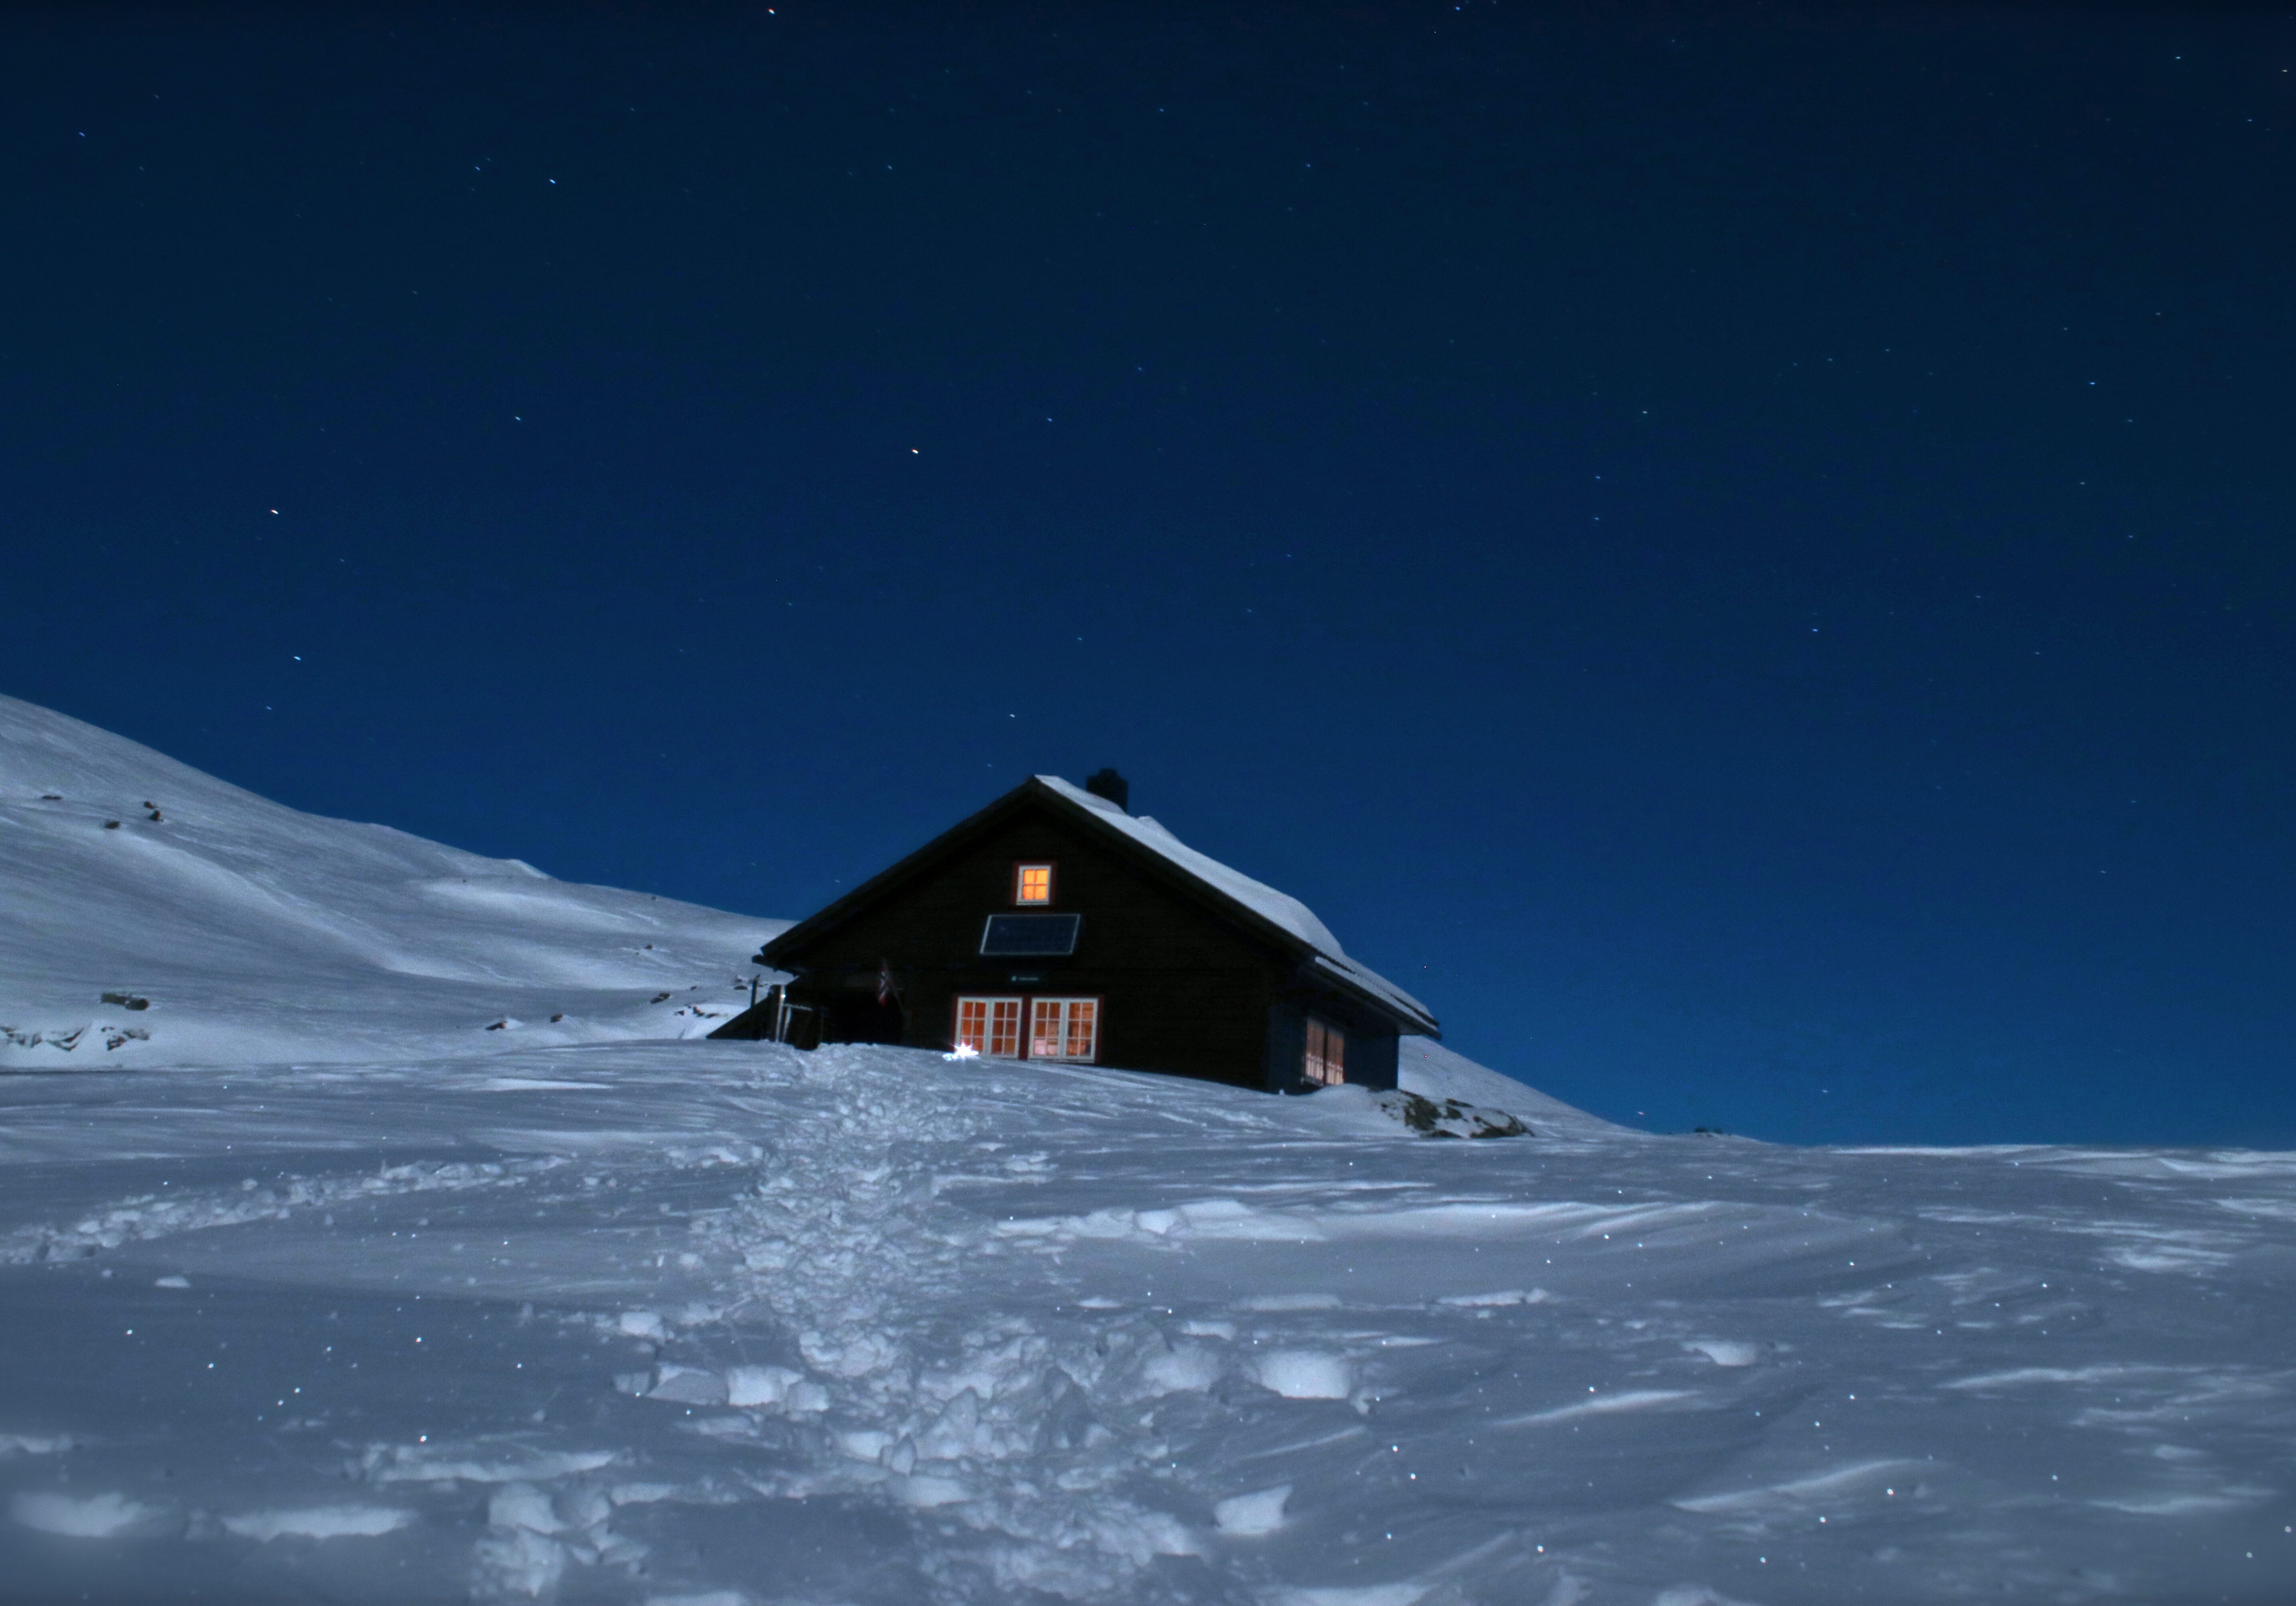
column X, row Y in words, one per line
column 1064, row 1028
column 989, row 1025
column 1032, row 884
column 1059, row 1028
column 1327, row 1053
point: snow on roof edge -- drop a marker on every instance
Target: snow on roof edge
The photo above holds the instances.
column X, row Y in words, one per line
column 1279, row 908
column 1379, row 986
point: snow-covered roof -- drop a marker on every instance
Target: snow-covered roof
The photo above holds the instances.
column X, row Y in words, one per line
column 1278, row 909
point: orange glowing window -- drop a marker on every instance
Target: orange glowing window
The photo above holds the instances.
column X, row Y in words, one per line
column 989, row 1025
column 1032, row 884
column 1327, row 1053
column 1064, row 1028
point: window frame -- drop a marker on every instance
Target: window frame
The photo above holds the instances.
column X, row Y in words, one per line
column 1066, row 1003
column 1311, row 1060
column 1052, row 868
column 1074, row 927
column 1021, row 1019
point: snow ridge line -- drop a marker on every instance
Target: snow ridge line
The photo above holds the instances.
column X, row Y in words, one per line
column 148, row 1216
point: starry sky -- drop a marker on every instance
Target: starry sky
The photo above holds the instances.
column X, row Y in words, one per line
column 1747, row 555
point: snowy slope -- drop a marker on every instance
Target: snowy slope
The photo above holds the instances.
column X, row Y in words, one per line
column 1432, row 1071
column 257, row 933
column 548, row 1313
column 726, row 1322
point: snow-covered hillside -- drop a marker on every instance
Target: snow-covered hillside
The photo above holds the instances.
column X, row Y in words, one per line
column 331, row 1293
column 255, row 932
column 726, row 1322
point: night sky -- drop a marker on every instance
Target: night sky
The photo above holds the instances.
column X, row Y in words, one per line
column 1746, row 555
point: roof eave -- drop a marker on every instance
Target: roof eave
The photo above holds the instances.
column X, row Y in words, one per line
column 830, row 915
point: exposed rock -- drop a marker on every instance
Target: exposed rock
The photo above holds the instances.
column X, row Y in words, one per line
column 1448, row 1118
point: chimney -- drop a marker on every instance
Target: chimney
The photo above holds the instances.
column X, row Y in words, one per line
column 1110, row 785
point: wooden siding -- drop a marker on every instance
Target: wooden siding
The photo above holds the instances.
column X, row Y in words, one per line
column 1185, row 988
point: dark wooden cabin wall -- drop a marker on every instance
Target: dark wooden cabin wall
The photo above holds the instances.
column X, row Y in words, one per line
column 1185, row 988
column 1372, row 1050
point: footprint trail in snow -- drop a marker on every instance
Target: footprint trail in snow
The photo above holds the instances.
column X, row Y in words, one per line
column 640, row 1323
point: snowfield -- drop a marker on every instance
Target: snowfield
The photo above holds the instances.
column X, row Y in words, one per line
column 231, row 930
column 520, row 1315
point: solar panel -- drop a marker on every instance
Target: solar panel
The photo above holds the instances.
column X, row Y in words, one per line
column 1030, row 936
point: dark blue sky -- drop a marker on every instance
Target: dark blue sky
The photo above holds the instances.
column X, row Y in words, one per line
column 1748, row 556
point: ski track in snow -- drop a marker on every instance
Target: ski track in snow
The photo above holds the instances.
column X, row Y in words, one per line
column 636, row 1322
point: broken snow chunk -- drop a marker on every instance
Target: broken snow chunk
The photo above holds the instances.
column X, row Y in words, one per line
column 518, row 1564
column 319, row 1522
column 171, row 1282
column 760, row 1385
column 522, row 1505
column 1293, row 1302
column 639, row 1324
column 1250, row 1516
column 849, row 1354
column 865, row 1443
column 1501, row 1297
column 107, row 1516
column 126, row 1000
column 924, row 1490
column 1184, row 1369
column 1726, row 1352
column 1305, row 1374
column 437, row 1463
column 640, row 1493
column 689, row 1386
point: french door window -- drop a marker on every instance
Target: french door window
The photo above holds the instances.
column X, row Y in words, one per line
column 989, row 1025
column 1065, row 1028
column 1327, row 1053
column 1058, row 1028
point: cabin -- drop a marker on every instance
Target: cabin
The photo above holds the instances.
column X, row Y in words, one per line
column 1056, row 924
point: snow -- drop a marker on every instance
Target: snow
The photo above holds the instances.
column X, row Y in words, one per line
column 105, row 1516
column 1249, row 1516
column 905, row 1330
column 319, row 1522
column 252, row 933
column 493, row 1317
